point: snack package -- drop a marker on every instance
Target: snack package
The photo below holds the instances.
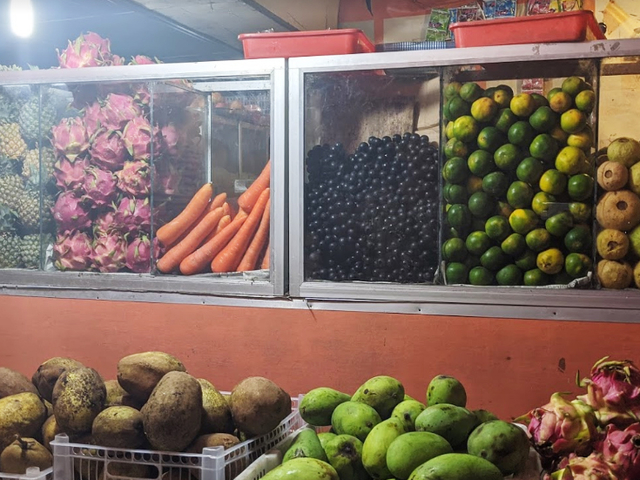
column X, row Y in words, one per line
column 537, row 7
column 499, row 8
column 556, row 6
column 438, row 26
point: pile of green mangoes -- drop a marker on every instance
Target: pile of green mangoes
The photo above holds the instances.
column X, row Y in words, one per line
column 381, row 433
column 153, row 404
column 518, row 184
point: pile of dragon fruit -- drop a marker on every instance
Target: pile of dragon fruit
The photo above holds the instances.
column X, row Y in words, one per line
column 595, row 436
column 103, row 171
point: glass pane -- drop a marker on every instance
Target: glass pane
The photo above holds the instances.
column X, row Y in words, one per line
column 371, row 188
column 518, row 174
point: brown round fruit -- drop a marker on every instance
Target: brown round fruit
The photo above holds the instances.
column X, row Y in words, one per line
column 613, row 274
column 619, row 210
column 612, row 244
column 612, row 176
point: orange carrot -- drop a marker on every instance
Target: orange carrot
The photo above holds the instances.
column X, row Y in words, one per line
column 171, row 260
column 265, row 260
column 199, row 260
column 224, row 221
column 169, row 233
column 229, row 258
column 249, row 198
column 218, row 201
column 257, row 244
column 227, row 208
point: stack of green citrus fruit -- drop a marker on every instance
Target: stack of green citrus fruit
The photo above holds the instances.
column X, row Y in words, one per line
column 518, row 184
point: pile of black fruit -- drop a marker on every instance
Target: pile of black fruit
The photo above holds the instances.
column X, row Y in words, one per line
column 373, row 215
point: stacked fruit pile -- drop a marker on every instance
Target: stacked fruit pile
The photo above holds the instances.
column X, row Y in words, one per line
column 20, row 184
column 517, row 185
column 373, row 215
column 380, row 432
column 618, row 214
column 596, row 435
column 153, row 404
column 103, row 171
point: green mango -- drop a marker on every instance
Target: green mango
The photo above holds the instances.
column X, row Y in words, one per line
column 449, row 421
column 382, row 393
column 345, row 455
column 502, row 443
column 318, row 405
column 407, row 397
column 408, row 411
column 325, row 437
column 305, row 445
column 457, row 466
column 353, row 418
column 409, row 451
column 483, row 416
column 303, row 468
column 374, row 450
column 446, row 389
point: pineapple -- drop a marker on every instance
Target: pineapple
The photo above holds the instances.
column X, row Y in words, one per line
column 8, row 109
column 31, row 166
column 11, row 189
column 9, row 242
column 29, row 211
column 11, row 143
column 8, row 166
column 28, row 118
column 30, row 249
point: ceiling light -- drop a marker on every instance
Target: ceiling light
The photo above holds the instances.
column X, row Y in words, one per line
column 21, row 14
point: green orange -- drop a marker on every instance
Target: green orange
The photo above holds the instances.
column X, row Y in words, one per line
column 521, row 133
column 480, row 276
column 454, row 250
column 523, row 220
column 490, row 138
column 514, row 245
column 580, row 187
column 573, row 85
column 456, row 107
column 455, row 170
column 543, row 119
column 495, row 183
column 504, row 119
column 550, row 261
column 507, row 157
column 481, row 163
column 536, row 278
column 581, row 212
column 478, row 242
column 459, row 216
column 522, row 105
column 452, row 89
column 578, row 240
column 544, row 147
column 561, row 102
column 497, row 228
column 538, row 239
column 577, row 265
column 559, row 224
column 530, row 170
column 519, row 194
column 470, row 92
column 502, row 97
column 456, row 273
column 509, row 275
column 553, row 182
column 586, row 101
column 526, row 260
column 541, row 203
column 540, row 100
column 455, row 148
column 494, row 259
column 484, row 109
column 573, row 121
column 570, row 160
column 481, row 204
column 466, row 128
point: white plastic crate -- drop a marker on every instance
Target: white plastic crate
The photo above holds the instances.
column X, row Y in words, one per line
column 33, row 473
column 100, row 463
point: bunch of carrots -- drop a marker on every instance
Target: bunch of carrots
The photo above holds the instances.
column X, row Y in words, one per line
column 207, row 235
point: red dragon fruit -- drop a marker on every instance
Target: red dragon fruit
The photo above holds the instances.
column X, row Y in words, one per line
column 105, row 222
column 108, row 150
column 621, row 449
column 135, row 179
column 99, row 186
column 143, row 60
column 613, row 390
column 70, row 175
column 93, row 118
column 593, row 467
column 109, row 252
column 134, row 215
column 70, row 213
column 118, row 110
column 561, row 427
column 139, row 255
column 70, row 137
column 169, row 139
column 92, row 38
column 72, row 251
column 137, row 136
column 88, row 50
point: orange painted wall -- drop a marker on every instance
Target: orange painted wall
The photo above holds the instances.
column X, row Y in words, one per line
column 508, row 366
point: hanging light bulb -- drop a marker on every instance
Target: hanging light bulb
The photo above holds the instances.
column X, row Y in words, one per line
column 21, row 15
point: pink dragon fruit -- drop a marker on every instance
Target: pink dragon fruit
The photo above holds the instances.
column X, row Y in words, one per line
column 143, row 60
column 72, row 251
column 70, row 138
column 109, row 252
column 134, row 215
column 613, row 390
column 105, row 222
column 135, row 179
column 108, row 150
column 88, row 50
column 99, row 186
column 561, row 427
column 92, row 38
column 118, row 110
column 93, row 118
column 70, row 213
column 621, row 449
column 138, row 136
column 169, row 139
column 593, row 467
column 70, row 175
column 117, row 60
column 139, row 255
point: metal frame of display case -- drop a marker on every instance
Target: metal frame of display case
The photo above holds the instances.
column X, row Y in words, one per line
column 219, row 75
column 464, row 297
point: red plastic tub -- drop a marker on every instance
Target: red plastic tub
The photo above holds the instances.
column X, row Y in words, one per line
column 305, row 44
column 549, row 28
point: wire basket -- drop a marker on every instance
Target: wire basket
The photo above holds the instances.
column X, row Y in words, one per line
column 91, row 462
column 33, row 473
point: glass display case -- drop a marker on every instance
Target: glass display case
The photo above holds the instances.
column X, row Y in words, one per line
column 166, row 178
column 457, row 176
